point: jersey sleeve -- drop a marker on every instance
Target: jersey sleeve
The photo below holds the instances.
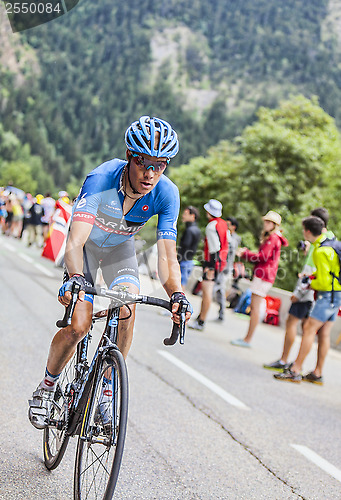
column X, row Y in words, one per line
column 168, row 212
column 89, row 198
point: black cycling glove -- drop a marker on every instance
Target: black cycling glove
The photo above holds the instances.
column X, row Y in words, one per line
column 67, row 286
column 180, row 297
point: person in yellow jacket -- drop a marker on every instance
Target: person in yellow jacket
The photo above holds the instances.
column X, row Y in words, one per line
column 324, row 312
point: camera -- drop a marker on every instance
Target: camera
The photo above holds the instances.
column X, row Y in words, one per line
column 301, row 245
column 305, row 282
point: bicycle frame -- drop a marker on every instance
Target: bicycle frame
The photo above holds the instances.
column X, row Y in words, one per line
column 84, row 382
column 81, row 386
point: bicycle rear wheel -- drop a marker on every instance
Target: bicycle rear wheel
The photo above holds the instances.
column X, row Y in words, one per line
column 101, row 440
column 55, row 440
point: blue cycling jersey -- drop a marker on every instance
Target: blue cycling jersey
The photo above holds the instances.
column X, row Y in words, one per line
column 101, row 199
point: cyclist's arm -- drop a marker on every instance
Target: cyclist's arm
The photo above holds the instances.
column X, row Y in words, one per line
column 169, row 272
column 79, row 233
column 168, row 266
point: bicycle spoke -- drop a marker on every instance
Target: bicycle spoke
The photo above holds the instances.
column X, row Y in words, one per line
column 98, row 459
column 94, row 473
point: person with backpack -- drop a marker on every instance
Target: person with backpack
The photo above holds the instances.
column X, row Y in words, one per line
column 215, row 254
column 302, row 298
column 326, row 282
column 265, row 270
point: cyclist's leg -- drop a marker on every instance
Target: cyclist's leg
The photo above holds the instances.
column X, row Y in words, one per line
column 62, row 349
column 65, row 341
column 126, row 327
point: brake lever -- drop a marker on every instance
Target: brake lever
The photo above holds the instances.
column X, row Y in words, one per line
column 182, row 323
column 61, row 323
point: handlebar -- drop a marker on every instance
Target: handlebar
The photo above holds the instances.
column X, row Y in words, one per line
column 120, row 298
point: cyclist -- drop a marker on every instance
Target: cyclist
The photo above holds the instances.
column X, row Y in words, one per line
column 116, row 200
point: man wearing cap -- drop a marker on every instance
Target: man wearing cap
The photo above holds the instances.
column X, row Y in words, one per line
column 215, row 254
column 265, row 270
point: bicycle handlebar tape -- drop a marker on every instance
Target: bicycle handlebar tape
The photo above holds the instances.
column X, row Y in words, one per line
column 174, row 336
column 91, row 290
column 154, row 301
column 178, row 329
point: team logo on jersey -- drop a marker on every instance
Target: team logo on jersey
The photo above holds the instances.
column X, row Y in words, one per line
column 82, row 202
column 145, row 208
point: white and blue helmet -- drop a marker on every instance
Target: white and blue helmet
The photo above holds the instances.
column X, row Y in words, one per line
column 140, row 137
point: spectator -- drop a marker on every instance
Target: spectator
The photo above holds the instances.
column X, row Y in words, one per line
column 325, row 309
column 26, row 204
column 62, row 194
column 215, row 254
column 223, row 285
column 302, row 298
column 18, row 216
column 48, row 204
column 3, row 213
column 188, row 243
column 265, row 270
column 9, row 213
column 34, row 228
column 234, row 243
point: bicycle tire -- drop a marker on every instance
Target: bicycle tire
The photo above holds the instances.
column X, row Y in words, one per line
column 100, row 445
column 55, row 441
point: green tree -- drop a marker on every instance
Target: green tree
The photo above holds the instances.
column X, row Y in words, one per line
column 287, row 161
column 287, row 154
column 19, row 174
column 213, row 176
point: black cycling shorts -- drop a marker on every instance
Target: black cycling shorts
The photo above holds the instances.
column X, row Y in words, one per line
column 118, row 264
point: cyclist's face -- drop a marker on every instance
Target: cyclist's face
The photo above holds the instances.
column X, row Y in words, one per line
column 144, row 179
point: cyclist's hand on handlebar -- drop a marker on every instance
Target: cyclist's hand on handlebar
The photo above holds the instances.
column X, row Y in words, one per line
column 64, row 294
column 175, row 303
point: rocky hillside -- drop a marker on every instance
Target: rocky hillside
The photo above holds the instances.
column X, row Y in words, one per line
column 69, row 88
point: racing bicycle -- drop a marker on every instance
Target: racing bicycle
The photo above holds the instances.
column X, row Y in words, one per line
column 91, row 399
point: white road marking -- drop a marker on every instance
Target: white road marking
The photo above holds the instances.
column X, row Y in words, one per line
column 25, row 257
column 44, row 270
column 10, row 247
column 30, row 260
column 205, row 381
column 319, row 461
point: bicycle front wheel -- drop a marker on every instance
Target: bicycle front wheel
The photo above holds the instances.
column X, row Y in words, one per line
column 55, row 440
column 103, row 430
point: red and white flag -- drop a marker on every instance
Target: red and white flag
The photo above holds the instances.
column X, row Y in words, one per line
column 54, row 247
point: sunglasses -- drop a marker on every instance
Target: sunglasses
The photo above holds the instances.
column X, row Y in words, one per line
column 157, row 166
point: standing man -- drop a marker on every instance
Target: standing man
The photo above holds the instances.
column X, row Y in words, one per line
column 34, row 227
column 49, row 205
column 223, row 285
column 215, row 254
column 326, row 307
column 188, row 243
column 115, row 202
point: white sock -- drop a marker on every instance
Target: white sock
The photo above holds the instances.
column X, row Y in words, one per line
column 106, row 394
column 49, row 382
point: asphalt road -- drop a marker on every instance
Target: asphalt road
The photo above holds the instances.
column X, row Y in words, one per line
column 206, row 421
